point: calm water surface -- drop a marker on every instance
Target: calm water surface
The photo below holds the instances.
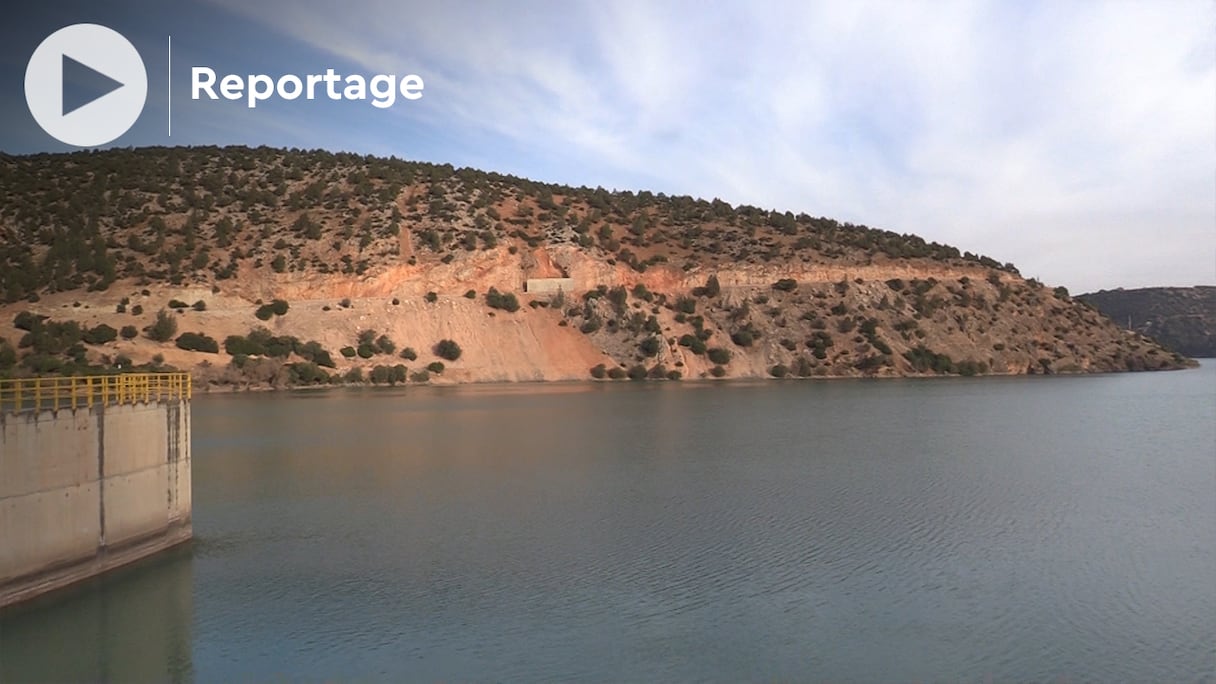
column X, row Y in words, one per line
column 1005, row 528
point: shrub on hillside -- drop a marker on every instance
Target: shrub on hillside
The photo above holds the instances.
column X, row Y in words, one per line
column 277, row 307
column 192, row 341
column 498, row 300
column 719, row 356
column 447, row 349
column 100, row 335
column 650, row 346
column 695, row 344
column 164, row 328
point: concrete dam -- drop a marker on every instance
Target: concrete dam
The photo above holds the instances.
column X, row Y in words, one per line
column 94, row 474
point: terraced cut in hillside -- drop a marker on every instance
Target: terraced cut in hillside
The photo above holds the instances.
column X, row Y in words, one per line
column 256, row 267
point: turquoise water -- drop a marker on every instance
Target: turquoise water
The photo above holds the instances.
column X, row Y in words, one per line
column 949, row 529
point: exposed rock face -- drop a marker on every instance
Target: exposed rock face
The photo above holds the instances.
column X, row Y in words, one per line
column 1181, row 318
column 420, row 253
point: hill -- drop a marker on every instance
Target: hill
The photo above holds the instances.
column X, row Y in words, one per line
column 266, row 266
column 1181, row 318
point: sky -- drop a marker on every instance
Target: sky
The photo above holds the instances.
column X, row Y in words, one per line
column 1076, row 139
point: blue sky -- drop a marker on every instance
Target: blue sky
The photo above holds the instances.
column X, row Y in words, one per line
column 1075, row 139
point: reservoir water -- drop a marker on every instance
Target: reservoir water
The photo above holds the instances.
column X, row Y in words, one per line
column 1003, row 529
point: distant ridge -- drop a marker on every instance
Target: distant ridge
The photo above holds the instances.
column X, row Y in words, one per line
column 1181, row 318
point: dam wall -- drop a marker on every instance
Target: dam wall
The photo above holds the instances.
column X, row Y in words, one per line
column 90, row 479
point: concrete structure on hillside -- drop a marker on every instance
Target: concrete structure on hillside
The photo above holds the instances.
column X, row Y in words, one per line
column 94, row 473
column 549, row 286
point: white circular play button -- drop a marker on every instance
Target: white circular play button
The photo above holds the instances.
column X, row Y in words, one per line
column 85, row 85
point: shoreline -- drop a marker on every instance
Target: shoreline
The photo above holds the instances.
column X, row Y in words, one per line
column 589, row 382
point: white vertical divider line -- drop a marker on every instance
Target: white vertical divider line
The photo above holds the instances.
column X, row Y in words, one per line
column 170, row 70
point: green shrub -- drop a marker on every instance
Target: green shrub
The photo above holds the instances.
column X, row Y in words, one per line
column 100, row 335
column 695, row 344
column 435, row 367
column 384, row 345
column 164, row 328
column 786, row 285
column 409, row 354
column 8, row 355
column 177, row 304
column 650, row 346
column 27, row 320
column 129, row 332
column 719, row 356
column 348, row 352
column 598, row 372
column 717, row 371
column 432, row 297
column 200, row 305
column 638, row 372
column 447, row 349
column 471, row 294
column 420, row 376
column 306, row 373
column 192, row 341
column 365, row 351
column 617, row 373
column 277, row 307
column 743, row 338
column 779, row 371
column 711, row 289
column 137, row 310
column 674, row 375
column 506, row 302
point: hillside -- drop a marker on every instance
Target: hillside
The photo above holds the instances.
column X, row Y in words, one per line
column 263, row 266
column 1181, row 318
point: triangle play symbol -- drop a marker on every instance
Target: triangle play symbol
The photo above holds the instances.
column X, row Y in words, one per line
column 83, row 84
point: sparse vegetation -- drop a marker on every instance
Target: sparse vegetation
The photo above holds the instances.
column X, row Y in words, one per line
column 176, row 221
column 447, row 349
column 164, row 328
column 194, row 341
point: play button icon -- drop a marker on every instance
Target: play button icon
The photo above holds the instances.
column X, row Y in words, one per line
column 85, row 85
column 75, row 76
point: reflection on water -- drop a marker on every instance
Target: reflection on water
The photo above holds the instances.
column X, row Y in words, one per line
column 132, row 625
column 1014, row 529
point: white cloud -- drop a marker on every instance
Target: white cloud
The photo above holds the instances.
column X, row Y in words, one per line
column 1075, row 139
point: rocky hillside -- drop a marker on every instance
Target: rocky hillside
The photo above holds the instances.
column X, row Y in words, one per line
column 264, row 266
column 1181, row 318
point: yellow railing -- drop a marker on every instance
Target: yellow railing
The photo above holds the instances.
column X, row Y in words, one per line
column 30, row 394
